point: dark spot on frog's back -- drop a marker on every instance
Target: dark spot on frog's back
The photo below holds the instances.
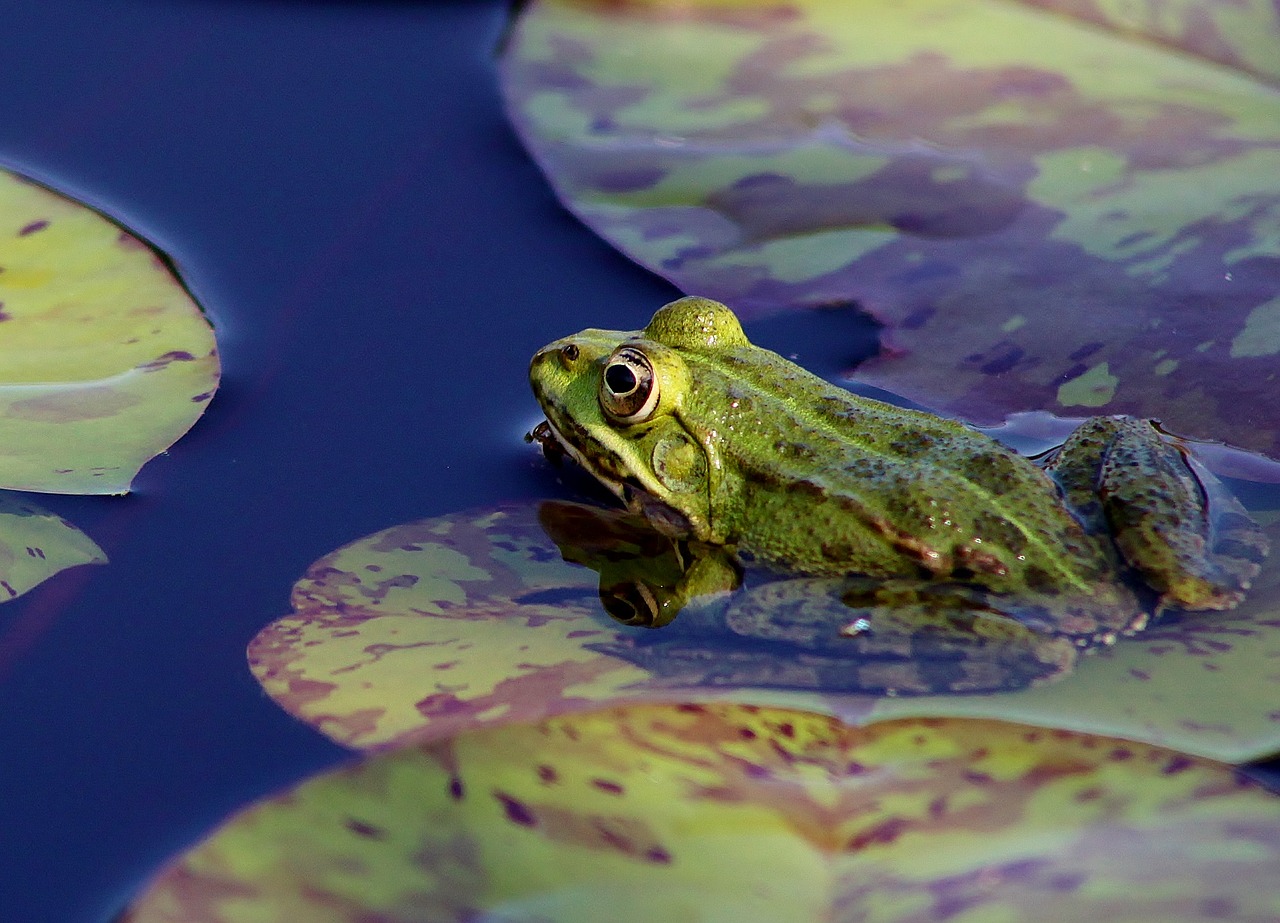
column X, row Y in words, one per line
column 913, row 444
column 865, row 468
column 995, row 469
column 839, row 406
column 975, row 560
column 837, row 551
column 999, row 531
column 795, row 450
column 734, row 360
column 808, row 489
column 1038, row 579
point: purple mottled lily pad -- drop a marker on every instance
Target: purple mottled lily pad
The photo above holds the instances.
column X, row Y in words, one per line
column 438, row 626
column 737, row 813
column 1043, row 213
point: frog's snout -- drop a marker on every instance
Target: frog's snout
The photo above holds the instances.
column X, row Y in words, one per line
column 565, row 352
column 539, row 359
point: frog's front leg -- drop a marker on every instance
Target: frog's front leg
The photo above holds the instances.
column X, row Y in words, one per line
column 1171, row 519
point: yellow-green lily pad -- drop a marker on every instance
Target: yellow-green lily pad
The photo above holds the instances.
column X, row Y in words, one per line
column 1043, row 213
column 730, row 813
column 441, row 625
column 105, row 358
column 36, row 544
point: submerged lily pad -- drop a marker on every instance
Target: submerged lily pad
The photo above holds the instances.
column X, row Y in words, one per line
column 736, row 813
column 1044, row 214
column 35, row 544
column 105, row 359
column 438, row 626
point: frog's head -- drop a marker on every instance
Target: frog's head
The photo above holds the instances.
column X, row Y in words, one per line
column 614, row 401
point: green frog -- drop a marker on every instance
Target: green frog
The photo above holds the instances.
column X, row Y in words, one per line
column 723, row 444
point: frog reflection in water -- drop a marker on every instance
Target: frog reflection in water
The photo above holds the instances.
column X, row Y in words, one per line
column 730, row 450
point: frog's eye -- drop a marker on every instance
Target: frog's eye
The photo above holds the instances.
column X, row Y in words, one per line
column 628, row 388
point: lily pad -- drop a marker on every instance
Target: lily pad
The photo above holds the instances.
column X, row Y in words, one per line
column 737, row 813
column 105, row 359
column 434, row 627
column 35, row 544
column 1243, row 36
column 1044, row 214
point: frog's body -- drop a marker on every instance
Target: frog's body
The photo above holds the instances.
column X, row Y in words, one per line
column 716, row 439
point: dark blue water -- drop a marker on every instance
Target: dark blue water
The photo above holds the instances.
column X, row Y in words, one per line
column 342, row 193
column 339, row 186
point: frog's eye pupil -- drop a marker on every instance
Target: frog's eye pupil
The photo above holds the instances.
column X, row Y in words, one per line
column 628, row 388
column 620, row 379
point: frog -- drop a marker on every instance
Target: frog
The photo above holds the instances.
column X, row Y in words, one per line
column 719, row 442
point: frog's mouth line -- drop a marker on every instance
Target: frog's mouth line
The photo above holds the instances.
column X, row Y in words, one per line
column 547, row 435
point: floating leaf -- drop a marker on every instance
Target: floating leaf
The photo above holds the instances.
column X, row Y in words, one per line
column 35, row 544
column 105, row 359
column 735, row 813
column 1044, row 214
column 1242, row 35
column 437, row 626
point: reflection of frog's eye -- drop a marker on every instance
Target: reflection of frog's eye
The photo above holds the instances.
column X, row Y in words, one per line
column 628, row 389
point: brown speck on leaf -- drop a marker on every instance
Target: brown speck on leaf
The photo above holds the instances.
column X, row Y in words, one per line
column 367, row 830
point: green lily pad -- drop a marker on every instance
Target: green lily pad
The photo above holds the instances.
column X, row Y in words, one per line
column 736, row 813
column 35, row 544
column 1043, row 214
column 105, row 359
column 438, row 626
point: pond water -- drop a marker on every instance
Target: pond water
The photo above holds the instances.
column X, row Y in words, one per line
column 340, row 189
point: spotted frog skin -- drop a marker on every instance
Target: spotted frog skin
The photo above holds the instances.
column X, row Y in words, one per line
column 718, row 441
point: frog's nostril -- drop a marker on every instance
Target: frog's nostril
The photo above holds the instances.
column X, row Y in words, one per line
column 569, row 352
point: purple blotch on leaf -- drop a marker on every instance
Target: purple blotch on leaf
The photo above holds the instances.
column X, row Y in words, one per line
column 517, row 812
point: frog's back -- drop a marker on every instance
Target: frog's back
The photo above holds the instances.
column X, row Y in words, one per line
column 836, row 483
